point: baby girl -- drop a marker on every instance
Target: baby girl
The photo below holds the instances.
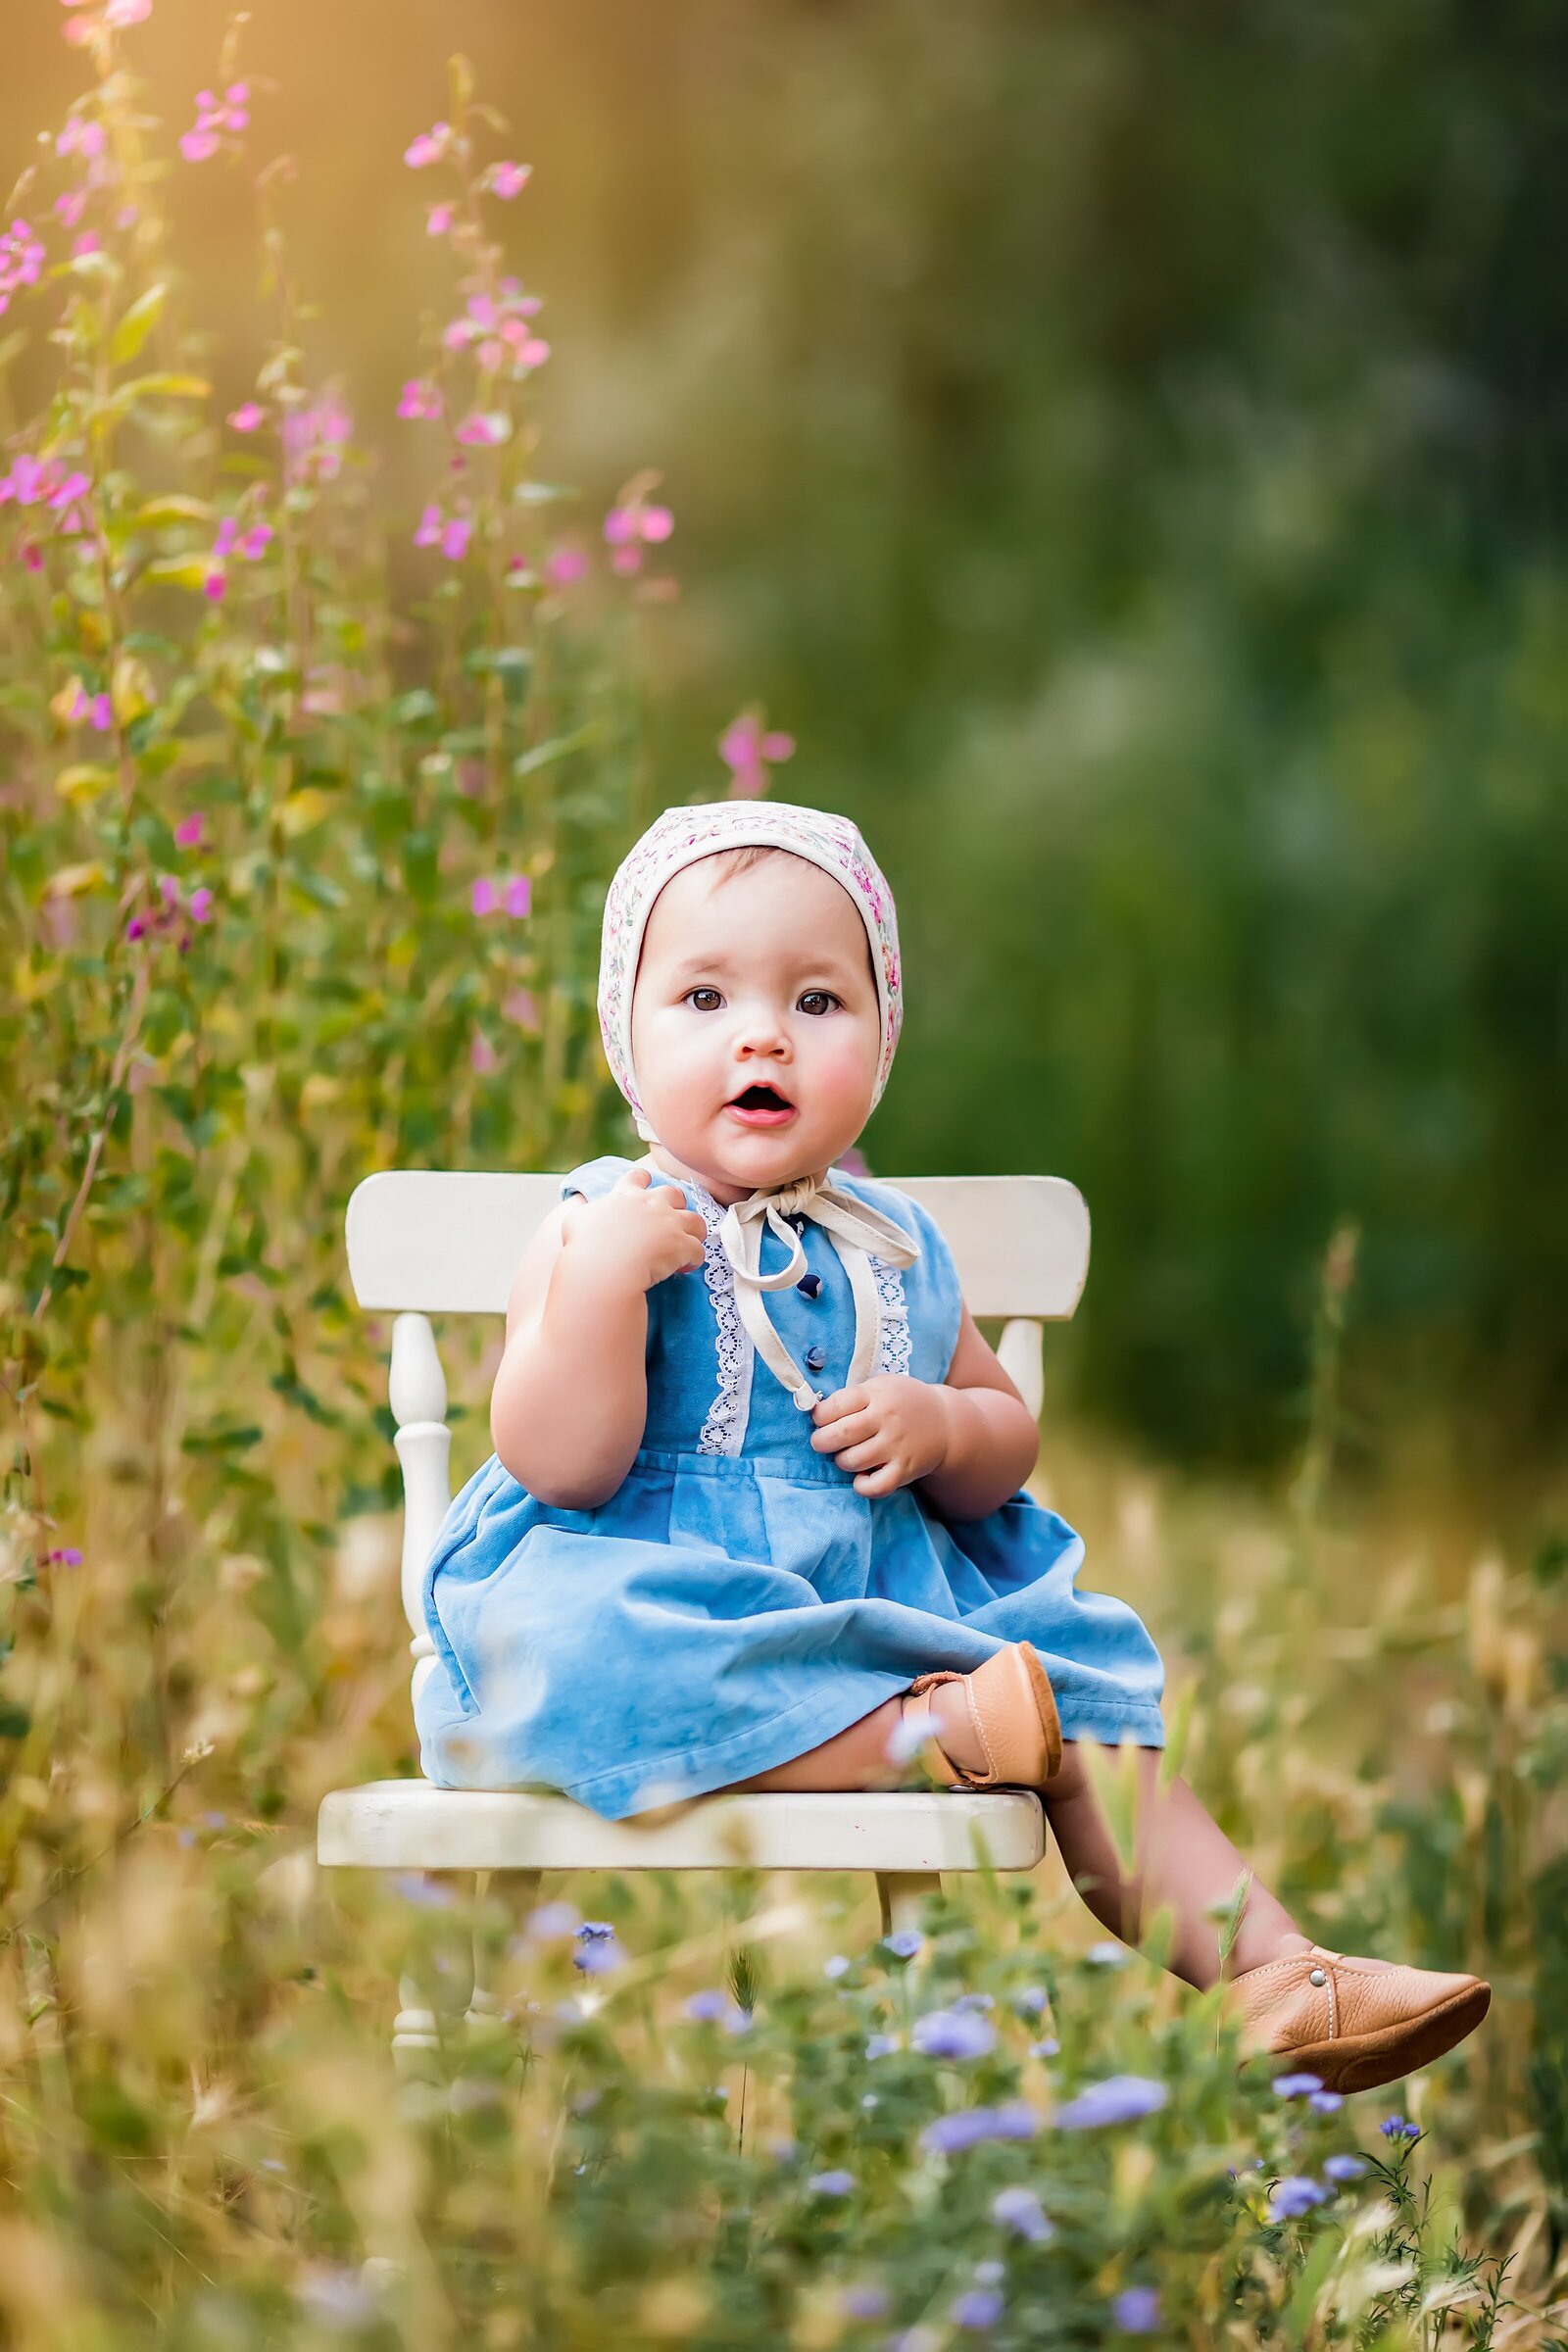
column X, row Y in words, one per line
column 756, row 1515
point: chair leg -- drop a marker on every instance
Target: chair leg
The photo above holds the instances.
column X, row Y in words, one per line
column 517, row 1891
column 435, row 1993
column 902, row 1894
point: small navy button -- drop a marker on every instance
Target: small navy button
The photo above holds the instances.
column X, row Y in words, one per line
column 798, row 1224
column 816, row 1358
column 811, row 1284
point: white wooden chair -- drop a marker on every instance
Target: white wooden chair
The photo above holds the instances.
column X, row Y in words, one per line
column 433, row 1243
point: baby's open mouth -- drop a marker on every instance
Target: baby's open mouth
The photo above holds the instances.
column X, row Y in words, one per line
column 760, row 1105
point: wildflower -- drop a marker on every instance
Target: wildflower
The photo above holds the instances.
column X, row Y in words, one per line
column 512, row 893
column 1136, row 2311
column 337, row 2296
column 483, row 1059
column 975, row 2000
column 484, row 429
column 1118, row 2099
column 415, row 1887
column 952, row 2135
column 600, row 1951
column 831, row 2184
column 881, row 2045
column 74, row 704
column 1107, row 1955
column 747, row 750
column 1030, row 2000
column 201, row 905
column 865, row 2300
column 521, row 1006
column 630, row 523
column 980, row 2308
column 1343, row 2168
column 439, row 219
column 71, row 203
column 314, row 439
column 783, row 2150
column 428, row 148
column 1297, row 2086
column 22, row 260
column 1293, row 2196
column 82, row 137
column 909, row 1733
column 217, row 119
column 420, row 399
column 66, row 1555
column 714, row 2008
column 870, row 2100
column 83, row 245
column 954, row 2034
column 835, row 1967
column 1326, row 2102
column 189, row 831
column 507, row 179
column 1046, row 2048
column 1399, row 2126
column 1020, row 2210
column 990, row 2273
column 248, row 417
column 903, row 1943
column 549, row 1920
column 564, row 564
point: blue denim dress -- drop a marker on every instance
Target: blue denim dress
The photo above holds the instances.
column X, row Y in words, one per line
column 735, row 1601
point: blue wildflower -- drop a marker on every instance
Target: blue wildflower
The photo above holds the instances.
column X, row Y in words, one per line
column 952, row 2033
column 600, row 1951
column 415, row 1888
column 1118, row 2099
column 706, row 2008
column 1136, row 2311
column 1343, row 2168
column 1107, row 1955
column 981, row 2307
column 1044, row 2049
column 865, row 2300
column 1030, row 2000
column 881, row 2045
column 1293, row 2196
column 547, row 1922
column 990, row 2273
column 831, row 2184
column 903, row 1943
column 1399, row 2126
column 974, row 2000
column 1326, row 2102
column 1020, row 2209
column 837, row 1965
column 950, row 2134
column 1297, row 2086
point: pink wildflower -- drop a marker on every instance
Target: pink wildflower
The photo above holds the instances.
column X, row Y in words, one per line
column 201, row 905
column 70, row 206
column 523, row 1008
column 482, row 1055
column 482, row 431
column 248, row 417
column 507, row 179
column 82, row 137
column 439, row 219
column 64, row 1555
column 428, row 148
column 512, row 894
column 314, row 439
column 420, row 399
column 455, row 538
column 216, row 587
column 83, row 245
column 428, row 533
column 564, row 564
column 22, row 260
column 101, row 714
column 189, row 831
column 128, row 12
column 745, row 750
column 630, row 524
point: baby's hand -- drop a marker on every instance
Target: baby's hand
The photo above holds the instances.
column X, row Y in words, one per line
column 890, row 1428
column 637, row 1230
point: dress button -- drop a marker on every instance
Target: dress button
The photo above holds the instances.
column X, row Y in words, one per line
column 816, row 1358
column 811, row 1284
column 1317, row 1977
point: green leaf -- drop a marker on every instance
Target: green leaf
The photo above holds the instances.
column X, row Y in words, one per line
column 15, row 1721
column 220, row 1437
column 149, row 387
column 559, row 748
column 179, row 572
column 159, row 512
column 137, row 325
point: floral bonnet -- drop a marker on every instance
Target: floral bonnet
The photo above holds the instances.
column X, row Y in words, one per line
column 678, row 839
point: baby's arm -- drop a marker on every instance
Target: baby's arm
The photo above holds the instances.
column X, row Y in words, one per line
column 571, row 1396
column 968, row 1442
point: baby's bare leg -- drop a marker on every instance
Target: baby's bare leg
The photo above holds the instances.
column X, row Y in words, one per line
column 856, row 1758
column 1184, row 1863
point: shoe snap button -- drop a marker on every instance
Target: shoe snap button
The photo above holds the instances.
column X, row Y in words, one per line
column 816, row 1358
column 1317, row 1977
column 811, row 1284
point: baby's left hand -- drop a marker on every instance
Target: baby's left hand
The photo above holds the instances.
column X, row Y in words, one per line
column 890, row 1430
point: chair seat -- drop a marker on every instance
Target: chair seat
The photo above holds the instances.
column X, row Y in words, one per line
column 412, row 1825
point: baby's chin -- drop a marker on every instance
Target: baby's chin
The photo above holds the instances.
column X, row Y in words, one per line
column 742, row 1161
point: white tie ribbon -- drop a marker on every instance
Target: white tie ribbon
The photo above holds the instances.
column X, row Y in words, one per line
column 857, row 1231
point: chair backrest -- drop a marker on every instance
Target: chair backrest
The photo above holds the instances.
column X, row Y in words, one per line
column 437, row 1242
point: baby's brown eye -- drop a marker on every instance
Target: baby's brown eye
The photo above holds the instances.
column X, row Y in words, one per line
column 695, row 994
column 816, row 1001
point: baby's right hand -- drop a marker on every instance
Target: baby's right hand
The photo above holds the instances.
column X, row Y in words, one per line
column 643, row 1231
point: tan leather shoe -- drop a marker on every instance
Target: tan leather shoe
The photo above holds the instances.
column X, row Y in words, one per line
column 1353, row 2025
column 1013, row 1710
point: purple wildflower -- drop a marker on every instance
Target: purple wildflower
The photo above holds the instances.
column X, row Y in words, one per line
column 1399, row 2126
column 835, row 1966
column 1108, row 1954
column 1118, row 2099
column 954, row 2034
column 1297, row 2086
column 1020, row 2209
column 66, row 1555
column 831, row 2184
column 950, row 2134
column 865, row 2300
column 979, row 2308
column 1326, row 2102
column 1136, row 2311
column 903, row 1943
column 1046, row 2048
column 547, row 1922
column 600, row 1951
column 1293, row 2196
column 1343, row 2168
column 881, row 2045
column 1031, row 2000
column 415, row 1887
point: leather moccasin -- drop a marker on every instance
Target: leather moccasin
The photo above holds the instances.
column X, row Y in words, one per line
column 1353, row 2025
column 1013, row 1710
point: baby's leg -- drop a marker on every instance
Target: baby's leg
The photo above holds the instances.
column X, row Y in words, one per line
column 856, row 1758
column 1184, row 1862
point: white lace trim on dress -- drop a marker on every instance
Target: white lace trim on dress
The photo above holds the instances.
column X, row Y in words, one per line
column 725, row 1430
column 893, row 1344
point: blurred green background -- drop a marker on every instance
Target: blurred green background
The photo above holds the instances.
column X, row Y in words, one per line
column 1125, row 445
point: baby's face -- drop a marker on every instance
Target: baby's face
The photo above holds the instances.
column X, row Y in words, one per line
column 754, row 1027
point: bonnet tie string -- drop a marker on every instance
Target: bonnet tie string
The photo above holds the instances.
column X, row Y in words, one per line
column 857, row 1231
